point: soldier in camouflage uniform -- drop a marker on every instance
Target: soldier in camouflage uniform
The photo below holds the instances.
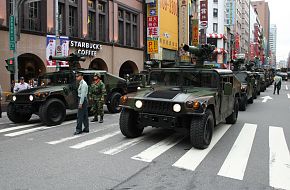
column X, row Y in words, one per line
column 97, row 93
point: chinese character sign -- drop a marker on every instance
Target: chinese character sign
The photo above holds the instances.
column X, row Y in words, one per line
column 152, row 46
column 203, row 11
column 64, row 42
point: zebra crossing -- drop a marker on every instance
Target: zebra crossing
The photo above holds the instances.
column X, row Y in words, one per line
column 233, row 166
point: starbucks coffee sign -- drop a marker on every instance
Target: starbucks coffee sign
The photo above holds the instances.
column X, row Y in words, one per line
column 85, row 48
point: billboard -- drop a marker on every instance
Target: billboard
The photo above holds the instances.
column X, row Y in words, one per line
column 169, row 24
column 51, row 49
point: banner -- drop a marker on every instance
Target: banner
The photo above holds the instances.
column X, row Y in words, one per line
column 50, row 50
column 64, row 42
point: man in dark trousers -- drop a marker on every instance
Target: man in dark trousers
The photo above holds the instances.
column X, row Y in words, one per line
column 82, row 105
column 97, row 93
column 277, row 84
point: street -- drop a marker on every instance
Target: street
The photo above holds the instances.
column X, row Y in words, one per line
column 251, row 154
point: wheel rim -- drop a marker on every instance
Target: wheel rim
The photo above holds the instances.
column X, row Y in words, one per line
column 55, row 112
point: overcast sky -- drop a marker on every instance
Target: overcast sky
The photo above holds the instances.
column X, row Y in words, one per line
column 280, row 15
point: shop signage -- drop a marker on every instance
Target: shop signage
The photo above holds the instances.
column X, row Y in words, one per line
column 85, row 48
column 152, row 46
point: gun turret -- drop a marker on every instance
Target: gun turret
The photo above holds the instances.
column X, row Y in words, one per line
column 73, row 59
column 202, row 52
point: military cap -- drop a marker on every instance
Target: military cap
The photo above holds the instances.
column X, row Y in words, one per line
column 97, row 75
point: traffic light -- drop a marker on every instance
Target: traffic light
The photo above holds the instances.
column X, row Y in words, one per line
column 10, row 65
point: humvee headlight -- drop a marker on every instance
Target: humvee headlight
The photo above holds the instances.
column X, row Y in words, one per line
column 14, row 98
column 31, row 98
column 138, row 104
column 138, row 88
column 176, row 108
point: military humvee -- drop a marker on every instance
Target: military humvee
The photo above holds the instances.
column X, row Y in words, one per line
column 193, row 98
column 56, row 92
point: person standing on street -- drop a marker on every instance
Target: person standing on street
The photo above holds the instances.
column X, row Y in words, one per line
column 21, row 86
column 82, row 116
column 277, row 84
column 97, row 93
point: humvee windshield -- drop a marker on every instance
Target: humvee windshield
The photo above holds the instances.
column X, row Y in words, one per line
column 53, row 79
column 185, row 79
column 242, row 77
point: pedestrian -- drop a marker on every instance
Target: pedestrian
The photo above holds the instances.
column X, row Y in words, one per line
column 21, row 86
column 97, row 93
column 82, row 115
column 277, row 84
column 1, row 92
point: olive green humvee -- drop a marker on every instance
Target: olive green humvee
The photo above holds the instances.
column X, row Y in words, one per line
column 56, row 92
column 193, row 98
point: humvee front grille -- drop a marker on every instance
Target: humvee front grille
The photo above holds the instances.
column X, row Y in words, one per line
column 22, row 99
column 157, row 107
column 165, row 94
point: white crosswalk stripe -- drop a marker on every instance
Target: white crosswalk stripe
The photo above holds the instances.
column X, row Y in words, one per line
column 288, row 95
column 279, row 159
column 286, row 87
column 36, row 129
column 236, row 162
column 156, row 150
column 16, row 128
column 122, row 146
column 78, row 136
column 95, row 140
column 192, row 158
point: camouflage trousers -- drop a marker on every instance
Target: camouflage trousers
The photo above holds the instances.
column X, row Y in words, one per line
column 97, row 108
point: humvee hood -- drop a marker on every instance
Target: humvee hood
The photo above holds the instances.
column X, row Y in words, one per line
column 175, row 94
column 42, row 89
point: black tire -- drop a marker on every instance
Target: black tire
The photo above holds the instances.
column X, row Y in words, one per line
column 129, row 124
column 201, row 130
column 251, row 100
column 232, row 119
column 52, row 112
column 15, row 116
column 243, row 103
column 113, row 105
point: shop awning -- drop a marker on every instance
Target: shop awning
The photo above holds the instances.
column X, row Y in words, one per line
column 220, row 50
column 214, row 35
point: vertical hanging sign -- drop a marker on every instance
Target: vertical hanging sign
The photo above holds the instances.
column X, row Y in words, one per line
column 195, row 32
column 11, row 32
column 152, row 27
column 203, row 20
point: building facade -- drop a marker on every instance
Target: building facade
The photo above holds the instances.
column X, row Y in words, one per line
column 273, row 42
column 110, row 34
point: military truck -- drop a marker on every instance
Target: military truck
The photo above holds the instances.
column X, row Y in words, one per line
column 57, row 92
column 194, row 98
column 247, row 80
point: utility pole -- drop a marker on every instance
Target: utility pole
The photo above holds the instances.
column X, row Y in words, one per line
column 57, row 40
column 15, row 56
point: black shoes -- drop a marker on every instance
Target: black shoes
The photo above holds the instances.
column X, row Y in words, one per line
column 86, row 131
column 94, row 120
column 77, row 132
column 101, row 119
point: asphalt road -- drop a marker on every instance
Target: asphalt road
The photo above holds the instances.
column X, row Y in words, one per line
column 252, row 154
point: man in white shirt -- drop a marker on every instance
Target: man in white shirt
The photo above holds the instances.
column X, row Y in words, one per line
column 21, row 86
column 277, row 84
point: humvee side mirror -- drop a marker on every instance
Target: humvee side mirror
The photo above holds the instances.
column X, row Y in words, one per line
column 228, row 89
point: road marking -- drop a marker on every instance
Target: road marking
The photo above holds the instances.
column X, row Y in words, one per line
column 122, row 146
column 18, row 127
column 36, row 129
column 156, row 150
column 279, row 159
column 288, row 95
column 235, row 164
column 192, row 158
column 266, row 98
column 78, row 136
column 286, row 87
column 95, row 140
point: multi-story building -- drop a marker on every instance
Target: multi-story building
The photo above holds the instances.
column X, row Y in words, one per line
column 263, row 11
column 109, row 33
column 245, row 29
column 273, row 41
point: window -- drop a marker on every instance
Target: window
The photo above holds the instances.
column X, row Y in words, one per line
column 61, row 19
column 92, row 25
column 31, row 16
column 215, row 12
column 215, row 27
column 102, row 21
column 128, row 28
column 73, row 21
column 215, row 1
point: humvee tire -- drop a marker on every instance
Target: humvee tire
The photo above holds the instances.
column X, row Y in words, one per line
column 129, row 125
column 52, row 112
column 251, row 100
column 243, row 103
column 113, row 106
column 201, row 130
column 232, row 119
column 17, row 117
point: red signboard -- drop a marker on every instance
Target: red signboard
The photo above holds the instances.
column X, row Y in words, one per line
column 152, row 21
column 203, row 11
